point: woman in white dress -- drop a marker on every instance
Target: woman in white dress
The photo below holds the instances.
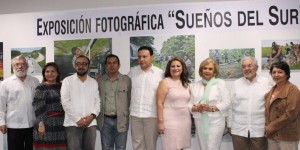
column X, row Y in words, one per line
column 209, row 104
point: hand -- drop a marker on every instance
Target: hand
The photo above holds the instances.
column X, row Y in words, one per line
column 41, row 129
column 197, row 108
column 81, row 123
column 88, row 120
column 3, row 129
column 161, row 128
column 205, row 107
column 229, row 130
column 266, row 132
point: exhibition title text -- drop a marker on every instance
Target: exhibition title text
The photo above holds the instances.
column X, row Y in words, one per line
column 156, row 22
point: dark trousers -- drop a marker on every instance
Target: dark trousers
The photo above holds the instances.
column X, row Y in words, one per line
column 19, row 139
column 247, row 143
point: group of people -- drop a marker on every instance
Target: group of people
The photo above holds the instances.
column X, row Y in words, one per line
column 291, row 57
column 65, row 115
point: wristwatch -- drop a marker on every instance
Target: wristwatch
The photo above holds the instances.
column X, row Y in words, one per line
column 94, row 116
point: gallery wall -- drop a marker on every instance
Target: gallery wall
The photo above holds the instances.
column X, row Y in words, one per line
column 235, row 27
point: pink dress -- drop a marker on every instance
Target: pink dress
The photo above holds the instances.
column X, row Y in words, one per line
column 177, row 118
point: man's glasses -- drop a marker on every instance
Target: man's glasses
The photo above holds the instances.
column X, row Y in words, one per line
column 20, row 64
column 84, row 64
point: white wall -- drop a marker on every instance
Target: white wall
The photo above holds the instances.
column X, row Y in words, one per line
column 19, row 22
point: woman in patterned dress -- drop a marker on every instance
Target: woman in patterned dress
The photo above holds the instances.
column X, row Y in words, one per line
column 174, row 118
column 49, row 132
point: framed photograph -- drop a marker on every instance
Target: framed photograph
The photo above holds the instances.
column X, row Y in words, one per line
column 280, row 50
column 36, row 58
column 66, row 52
column 229, row 61
column 165, row 48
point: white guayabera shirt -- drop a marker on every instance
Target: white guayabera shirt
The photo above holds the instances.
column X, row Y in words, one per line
column 144, row 85
column 16, row 110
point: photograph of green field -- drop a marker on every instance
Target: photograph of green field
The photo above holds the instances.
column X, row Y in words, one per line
column 280, row 50
column 36, row 58
column 229, row 61
column 165, row 48
column 66, row 52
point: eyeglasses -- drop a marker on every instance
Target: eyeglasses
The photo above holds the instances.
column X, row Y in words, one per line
column 84, row 64
column 20, row 65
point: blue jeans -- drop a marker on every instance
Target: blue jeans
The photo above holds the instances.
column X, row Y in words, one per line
column 81, row 138
column 110, row 136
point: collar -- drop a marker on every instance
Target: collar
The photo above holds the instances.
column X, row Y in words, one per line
column 107, row 77
column 151, row 69
column 75, row 77
column 285, row 90
column 256, row 79
column 14, row 77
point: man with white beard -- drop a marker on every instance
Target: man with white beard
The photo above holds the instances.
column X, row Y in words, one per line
column 16, row 111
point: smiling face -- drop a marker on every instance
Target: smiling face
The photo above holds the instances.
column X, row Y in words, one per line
column 20, row 67
column 249, row 69
column 279, row 76
column 51, row 74
column 176, row 69
column 208, row 71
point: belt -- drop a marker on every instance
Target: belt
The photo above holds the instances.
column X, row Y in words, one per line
column 111, row 116
column 55, row 114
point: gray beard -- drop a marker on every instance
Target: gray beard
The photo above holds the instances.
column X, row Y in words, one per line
column 20, row 73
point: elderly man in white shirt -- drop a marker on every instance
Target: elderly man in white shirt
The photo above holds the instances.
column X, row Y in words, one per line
column 246, row 120
column 16, row 111
column 145, row 79
column 81, row 102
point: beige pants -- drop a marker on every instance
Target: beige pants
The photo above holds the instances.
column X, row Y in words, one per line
column 282, row 145
column 144, row 133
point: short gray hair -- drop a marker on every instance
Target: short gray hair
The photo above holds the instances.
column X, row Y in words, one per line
column 251, row 58
column 17, row 58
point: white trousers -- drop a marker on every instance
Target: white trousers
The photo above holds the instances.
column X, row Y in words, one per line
column 215, row 133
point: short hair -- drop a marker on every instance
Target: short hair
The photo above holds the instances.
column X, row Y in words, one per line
column 283, row 66
column 253, row 59
column 148, row 48
column 184, row 77
column 17, row 58
column 74, row 50
column 111, row 56
column 206, row 62
column 82, row 56
column 56, row 68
